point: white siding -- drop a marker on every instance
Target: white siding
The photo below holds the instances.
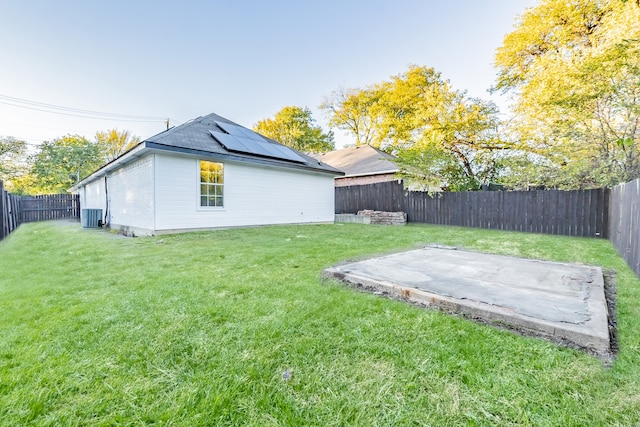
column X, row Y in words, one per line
column 253, row 195
column 92, row 195
column 131, row 194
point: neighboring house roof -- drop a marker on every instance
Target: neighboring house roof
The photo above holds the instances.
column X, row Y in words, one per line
column 361, row 160
column 215, row 136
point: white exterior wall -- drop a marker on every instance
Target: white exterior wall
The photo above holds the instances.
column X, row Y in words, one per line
column 131, row 192
column 92, row 196
column 253, row 195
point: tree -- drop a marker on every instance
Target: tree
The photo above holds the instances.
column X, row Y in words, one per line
column 573, row 69
column 12, row 157
column 113, row 143
column 295, row 128
column 441, row 136
column 62, row 162
column 351, row 110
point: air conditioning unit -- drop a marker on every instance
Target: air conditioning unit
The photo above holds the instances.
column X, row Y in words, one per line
column 91, row 218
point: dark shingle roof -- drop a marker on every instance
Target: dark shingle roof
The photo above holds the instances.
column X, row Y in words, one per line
column 195, row 136
column 361, row 160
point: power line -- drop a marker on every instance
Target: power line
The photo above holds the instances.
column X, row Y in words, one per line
column 76, row 112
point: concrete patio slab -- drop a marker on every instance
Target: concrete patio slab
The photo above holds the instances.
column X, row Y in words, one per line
column 562, row 302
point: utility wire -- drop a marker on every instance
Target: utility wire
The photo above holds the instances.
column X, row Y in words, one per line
column 75, row 112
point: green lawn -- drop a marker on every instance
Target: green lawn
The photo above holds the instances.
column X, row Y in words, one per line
column 198, row 329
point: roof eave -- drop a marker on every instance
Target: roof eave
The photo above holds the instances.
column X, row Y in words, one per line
column 355, row 175
column 134, row 153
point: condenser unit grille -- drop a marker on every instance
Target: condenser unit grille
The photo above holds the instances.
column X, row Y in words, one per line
column 91, row 218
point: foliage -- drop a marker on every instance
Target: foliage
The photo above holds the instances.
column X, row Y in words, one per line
column 25, row 184
column 574, row 71
column 13, row 153
column 113, row 143
column 296, row 128
column 62, row 162
column 351, row 110
column 199, row 329
column 440, row 135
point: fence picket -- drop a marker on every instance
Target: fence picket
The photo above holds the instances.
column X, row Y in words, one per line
column 3, row 214
column 625, row 222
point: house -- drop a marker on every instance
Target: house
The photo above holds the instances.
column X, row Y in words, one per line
column 208, row 173
column 362, row 164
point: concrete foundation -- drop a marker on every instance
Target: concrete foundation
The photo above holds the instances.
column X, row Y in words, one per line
column 563, row 302
column 353, row 218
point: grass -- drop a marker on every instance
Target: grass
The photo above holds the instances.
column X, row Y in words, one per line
column 236, row 327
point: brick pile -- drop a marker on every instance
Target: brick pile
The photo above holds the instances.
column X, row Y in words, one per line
column 385, row 218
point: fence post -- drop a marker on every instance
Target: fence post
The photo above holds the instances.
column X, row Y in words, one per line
column 3, row 217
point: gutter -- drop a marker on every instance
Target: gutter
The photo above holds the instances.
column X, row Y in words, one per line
column 134, row 153
column 355, row 175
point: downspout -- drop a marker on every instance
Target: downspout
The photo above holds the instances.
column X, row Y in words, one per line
column 106, row 209
column 153, row 197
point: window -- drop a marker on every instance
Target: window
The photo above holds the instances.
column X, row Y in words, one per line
column 211, row 183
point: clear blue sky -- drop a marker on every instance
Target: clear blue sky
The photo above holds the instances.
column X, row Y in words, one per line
column 244, row 60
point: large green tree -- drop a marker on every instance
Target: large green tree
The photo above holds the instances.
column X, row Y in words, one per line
column 296, row 128
column 113, row 143
column 64, row 161
column 13, row 155
column 440, row 135
column 573, row 69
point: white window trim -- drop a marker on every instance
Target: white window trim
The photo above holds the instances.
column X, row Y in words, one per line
column 199, row 206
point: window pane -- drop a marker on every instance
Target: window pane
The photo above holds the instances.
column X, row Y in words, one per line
column 219, row 201
column 209, row 171
column 203, row 201
column 204, row 166
column 204, row 189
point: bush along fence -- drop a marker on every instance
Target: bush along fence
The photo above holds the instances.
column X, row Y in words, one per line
column 15, row 210
column 612, row 214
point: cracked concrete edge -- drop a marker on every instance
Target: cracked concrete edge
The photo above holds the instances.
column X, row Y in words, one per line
column 592, row 335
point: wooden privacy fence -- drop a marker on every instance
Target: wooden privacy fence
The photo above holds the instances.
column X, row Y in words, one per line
column 383, row 196
column 14, row 210
column 624, row 222
column 571, row 213
column 48, row 207
column 9, row 213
